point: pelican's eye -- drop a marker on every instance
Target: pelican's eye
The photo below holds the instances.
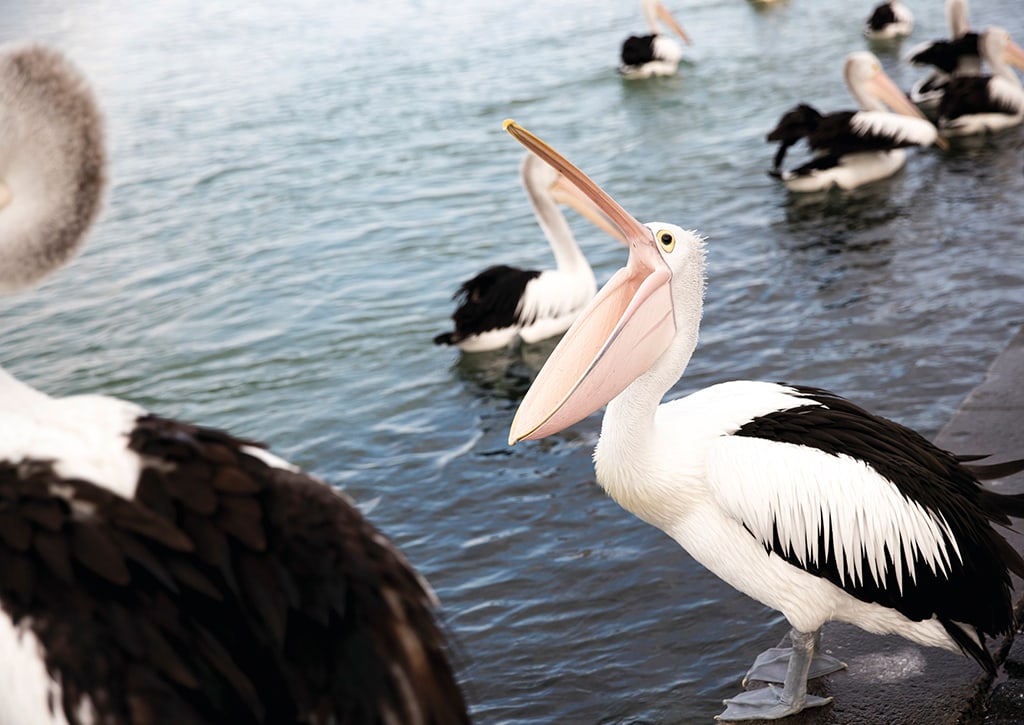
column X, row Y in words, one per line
column 667, row 240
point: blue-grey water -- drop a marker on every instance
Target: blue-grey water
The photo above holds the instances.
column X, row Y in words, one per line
column 298, row 188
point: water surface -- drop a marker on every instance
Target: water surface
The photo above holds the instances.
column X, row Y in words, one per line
column 299, row 187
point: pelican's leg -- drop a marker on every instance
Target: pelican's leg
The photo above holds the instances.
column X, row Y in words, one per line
column 773, row 664
column 772, row 702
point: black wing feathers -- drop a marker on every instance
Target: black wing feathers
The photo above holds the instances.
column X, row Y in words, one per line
column 967, row 95
column 882, row 16
column 976, row 591
column 638, row 49
column 488, row 302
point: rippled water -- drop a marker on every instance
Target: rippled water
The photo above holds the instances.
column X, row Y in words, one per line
column 298, row 188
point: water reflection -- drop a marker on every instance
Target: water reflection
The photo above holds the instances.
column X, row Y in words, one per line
column 504, row 374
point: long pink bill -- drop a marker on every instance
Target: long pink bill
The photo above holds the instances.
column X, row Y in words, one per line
column 669, row 20
column 619, row 335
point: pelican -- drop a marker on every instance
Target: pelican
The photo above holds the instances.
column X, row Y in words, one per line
column 957, row 56
column 654, row 54
column 157, row 571
column 793, row 495
column 853, row 147
column 979, row 104
column 503, row 304
column 889, row 20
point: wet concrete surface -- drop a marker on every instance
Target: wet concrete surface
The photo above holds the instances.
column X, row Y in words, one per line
column 896, row 682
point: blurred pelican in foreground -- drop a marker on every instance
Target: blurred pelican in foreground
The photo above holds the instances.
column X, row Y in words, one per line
column 852, row 148
column 654, row 54
column 156, row 571
column 793, row 495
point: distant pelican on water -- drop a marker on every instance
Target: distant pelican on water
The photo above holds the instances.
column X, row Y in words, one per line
column 852, row 148
column 791, row 494
column 889, row 20
column 980, row 104
column 957, row 56
column 154, row 571
column 503, row 305
column 654, row 54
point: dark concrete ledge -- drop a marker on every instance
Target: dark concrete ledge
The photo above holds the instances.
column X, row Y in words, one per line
column 893, row 681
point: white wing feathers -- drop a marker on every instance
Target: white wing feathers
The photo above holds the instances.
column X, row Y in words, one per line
column 811, row 497
column 1006, row 94
column 899, row 128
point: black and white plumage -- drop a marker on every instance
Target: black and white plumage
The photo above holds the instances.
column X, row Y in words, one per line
column 791, row 494
column 891, row 19
column 503, row 305
column 980, row 104
column 852, row 148
column 153, row 571
column 957, row 56
column 654, row 54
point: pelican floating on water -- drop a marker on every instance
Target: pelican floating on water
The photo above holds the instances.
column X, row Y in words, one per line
column 957, row 56
column 889, row 20
column 980, row 104
column 654, row 54
column 791, row 494
column 503, row 304
column 852, row 148
column 156, row 571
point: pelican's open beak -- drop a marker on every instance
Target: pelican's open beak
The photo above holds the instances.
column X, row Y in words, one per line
column 564, row 192
column 666, row 17
column 627, row 326
column 884, row 87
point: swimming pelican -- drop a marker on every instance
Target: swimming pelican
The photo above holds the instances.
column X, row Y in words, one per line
column 654, row 54
column 791, row 494
column 157, row 571
column 889, row 20
column 957, row 56
column 503, row 304
column 853, row 147
column 979, row 104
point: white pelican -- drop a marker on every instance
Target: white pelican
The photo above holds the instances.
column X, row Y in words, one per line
column 889, row 20
column 979, row 104
column 957, row 56
column 654, row 54
column 503, row 304
column 796, row 497
column 853, row 147
column 156, row 571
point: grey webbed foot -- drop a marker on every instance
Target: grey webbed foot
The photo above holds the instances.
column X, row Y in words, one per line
column 766, row 703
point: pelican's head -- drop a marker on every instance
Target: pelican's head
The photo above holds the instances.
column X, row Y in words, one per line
column 872, row 88
column 631, row 326
column 655, row 11
column 997, row 48
column 52, row 162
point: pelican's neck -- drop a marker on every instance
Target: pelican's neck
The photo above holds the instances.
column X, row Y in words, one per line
column 568, row 255
column 992, row 53
column 650, row 8
column 630, row 451
column 865, row 99
column 956, row 17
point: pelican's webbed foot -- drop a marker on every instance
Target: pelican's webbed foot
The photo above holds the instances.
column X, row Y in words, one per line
column 767, row 703
column 794, row 665
column 772, row 664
